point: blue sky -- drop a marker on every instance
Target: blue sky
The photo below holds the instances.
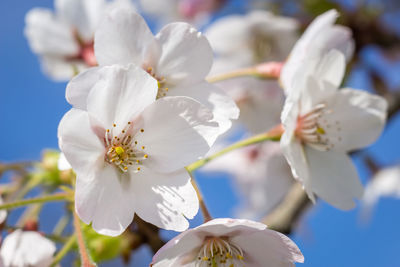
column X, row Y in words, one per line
column 31, row 106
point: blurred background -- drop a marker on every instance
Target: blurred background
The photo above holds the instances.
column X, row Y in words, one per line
column 31, row 106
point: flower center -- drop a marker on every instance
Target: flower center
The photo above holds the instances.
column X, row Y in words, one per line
column 219, row 251
column 317, row 130
column 162, row 88
column 122, row 150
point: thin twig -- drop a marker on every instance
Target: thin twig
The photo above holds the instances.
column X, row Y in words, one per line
column 85, row 258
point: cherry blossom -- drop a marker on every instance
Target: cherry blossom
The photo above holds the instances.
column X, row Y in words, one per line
column 27, row 248
column 262, row 176
column 179, row 57
column 385, row 183
column 321, row 36
column 193, row 11
column 229, row 242
column 63, row 39
column 129, row 151
column 241, row 41
column 322, row 124
column 253, row 38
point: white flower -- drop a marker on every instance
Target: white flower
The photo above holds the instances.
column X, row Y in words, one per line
column 252, row 38
column 64, row 39
column 322, row 124
column 385, row 183
column 320, row 37
column 179, row 57
column 229, row 242
column 193, row 11
column 262, row 176
column 241, row 41
column 260, row 102
column 27, row 248
column 129, row 151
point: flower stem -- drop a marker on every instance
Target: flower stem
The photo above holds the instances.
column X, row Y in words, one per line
column 272, row 135
column 267, row 70
column 24, row 202
column 64, row 250
column 204, row 210
column 85, row 258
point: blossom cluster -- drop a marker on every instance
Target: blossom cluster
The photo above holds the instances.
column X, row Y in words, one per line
column 144, row 110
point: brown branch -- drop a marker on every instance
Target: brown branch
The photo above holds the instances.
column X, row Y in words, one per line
column 286, row 215
column 149, row 233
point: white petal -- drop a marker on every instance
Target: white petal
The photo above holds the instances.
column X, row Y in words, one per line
column 314, row 92
column 60, row 68
column 334, row 178
column 223, row 107
column 320, row 37
column 79, row 87
column 270, row 247
column 331, row 68
column 27, row 249
column 77, row 140
column 120, row 95
column 84, row 15
column 294, row 152
column 176, row 132
column 357, row 119
column 228, row 34
column 122, row 38
column 261, row 105
column 63, row 163
column 229, row 227
column 48, row 35
column 165, row 200
column 177, row 251
column 3, row 213
column 186, row 55
column 105, row 198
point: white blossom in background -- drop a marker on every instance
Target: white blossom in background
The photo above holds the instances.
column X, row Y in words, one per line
column 321, row 36
column 63, row 39
column 322, row 124
column 253, row 38
column 196, row 12
column 242, row 41
column 129, row 151
column 260, row 102
column 179, row 57
column 228, row 242
column 385, row 183
column 261, row 175
column 27, row 248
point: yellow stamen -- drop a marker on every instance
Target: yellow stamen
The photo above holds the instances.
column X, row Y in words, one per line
column 320, row 130
column 119, row 150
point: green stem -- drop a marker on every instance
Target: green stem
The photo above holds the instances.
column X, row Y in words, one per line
column 61, row 224
column 64, row 250
column 266, row 70
column 24, row 202
column 233, row 74
column 28, row 186
column 273, row 135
